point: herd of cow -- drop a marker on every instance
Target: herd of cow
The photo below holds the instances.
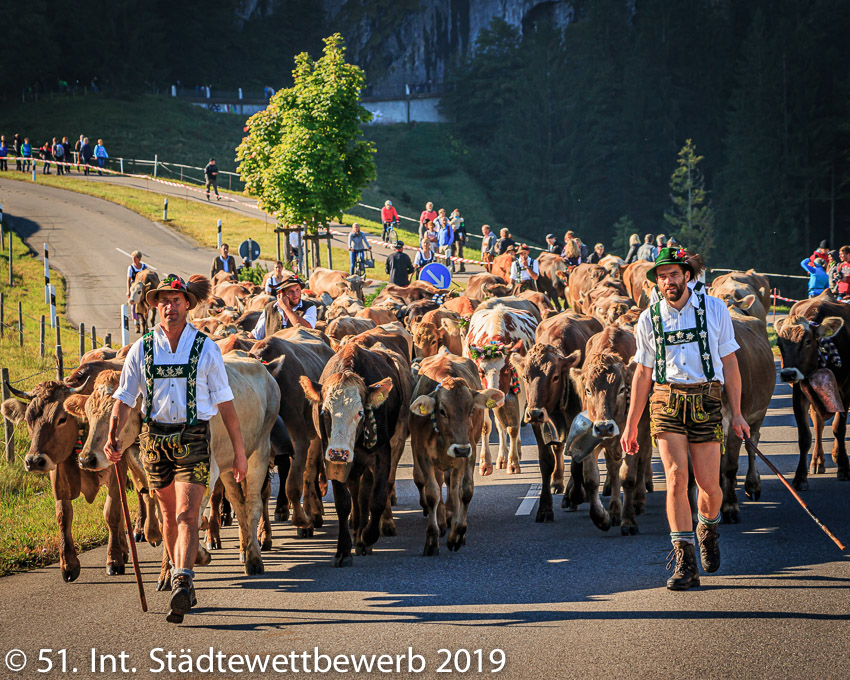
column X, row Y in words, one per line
column 338, row 403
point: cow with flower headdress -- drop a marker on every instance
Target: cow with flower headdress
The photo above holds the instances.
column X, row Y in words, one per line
column 493, row 335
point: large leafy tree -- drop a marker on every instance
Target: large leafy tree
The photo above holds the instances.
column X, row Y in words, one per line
column 304, row 157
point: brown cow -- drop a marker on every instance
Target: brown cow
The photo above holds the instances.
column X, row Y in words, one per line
column 416, row 310
column 344, row 305
column 502, row 266
column 392, row 335
column 417, row 290
column 289, row 355
column 604, row 385
column 758, row 377
column 236, row 342
column 428, row 338
column 54, row 433
column 357, row 409
column 343, row 326
column 378, row 315
column 558, row 330
column 541, row 301
column 743, row 292
column 98, row 354
column 336, row 283
column 234, row 295
column 145, row 281
column 582, row 279
column 553, row 278
column 463, row 305
column 482, row 286
column 637, row 285
column 513, row 302
column 609, row 309
column 448, row 419
column 809, row 325
column 258, row 302
column 759, row 284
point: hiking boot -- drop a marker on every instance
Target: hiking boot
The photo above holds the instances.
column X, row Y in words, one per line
column 182, row 598
column 217, row 197
column 709, row 551
column 685, row 575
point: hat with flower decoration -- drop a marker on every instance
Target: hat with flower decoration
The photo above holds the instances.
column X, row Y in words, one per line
column 671, row 256
column 197, row 290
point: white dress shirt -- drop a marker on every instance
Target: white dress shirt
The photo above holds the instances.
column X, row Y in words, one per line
column 684, row 365
column 169, row 394
column 310, row 316
column 522, row 274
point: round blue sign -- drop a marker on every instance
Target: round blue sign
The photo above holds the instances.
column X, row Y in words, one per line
column 249, row 249
column 436, row 274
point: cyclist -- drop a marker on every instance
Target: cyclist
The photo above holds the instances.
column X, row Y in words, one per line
column 357, row 246
column 388, row 216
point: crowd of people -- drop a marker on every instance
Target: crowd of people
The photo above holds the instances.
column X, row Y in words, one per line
column 828, row 269
column 82, row 156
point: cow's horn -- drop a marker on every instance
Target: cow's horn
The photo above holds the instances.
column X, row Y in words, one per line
column 77, row 390
column 18, row 393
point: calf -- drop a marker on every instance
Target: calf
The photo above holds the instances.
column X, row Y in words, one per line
column 145, row 281
column 604, row 385
column 357, row 411
column 343, row 326
column 493, row 334
column 54, row 436
column 446, row 423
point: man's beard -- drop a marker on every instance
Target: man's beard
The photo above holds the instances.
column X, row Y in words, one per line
column 676, row 294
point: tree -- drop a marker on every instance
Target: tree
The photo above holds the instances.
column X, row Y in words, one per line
column 304, row 157
column 691, row 216
column 623, row 229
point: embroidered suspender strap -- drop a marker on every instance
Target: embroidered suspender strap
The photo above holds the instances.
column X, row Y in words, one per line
column 660, row 349
column 147, row 347
column 167, row 371
column 192, row 379
column 702, row 339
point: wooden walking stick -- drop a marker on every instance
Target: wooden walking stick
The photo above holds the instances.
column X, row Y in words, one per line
column 752, row 447
column 130, row 537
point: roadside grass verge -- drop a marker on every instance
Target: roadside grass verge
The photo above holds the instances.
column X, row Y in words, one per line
column 29, row 535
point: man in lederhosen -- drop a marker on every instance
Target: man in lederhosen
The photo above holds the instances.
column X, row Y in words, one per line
column 287, row 310
column 524, row 271
column 686, row 356
column 180, row 376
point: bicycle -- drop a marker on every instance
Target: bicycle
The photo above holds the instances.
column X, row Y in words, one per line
column 390, row 235
column 361, row 264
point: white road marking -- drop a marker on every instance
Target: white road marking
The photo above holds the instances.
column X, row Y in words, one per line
column 528, row 501
column 123, row 252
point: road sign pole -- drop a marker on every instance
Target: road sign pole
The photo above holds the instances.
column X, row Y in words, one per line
column 125, row 326
column 219, row 234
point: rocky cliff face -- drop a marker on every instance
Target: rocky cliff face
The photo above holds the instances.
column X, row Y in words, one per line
column 414, row 42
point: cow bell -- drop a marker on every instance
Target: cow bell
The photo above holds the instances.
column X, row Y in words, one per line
column 821, row 389
column 338, row 472
column 581, row 441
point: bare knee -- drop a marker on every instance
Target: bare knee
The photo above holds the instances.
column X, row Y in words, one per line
column 677, row 481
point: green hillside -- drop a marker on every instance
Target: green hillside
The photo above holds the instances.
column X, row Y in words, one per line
column 415, row 162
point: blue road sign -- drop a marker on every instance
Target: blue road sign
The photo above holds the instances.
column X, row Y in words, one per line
column 437, row 274
column 249, row 249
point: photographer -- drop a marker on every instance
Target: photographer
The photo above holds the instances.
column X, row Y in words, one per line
column 524, row 271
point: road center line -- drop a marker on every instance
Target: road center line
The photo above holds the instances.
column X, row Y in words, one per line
column 528, row 501
column 150, row 266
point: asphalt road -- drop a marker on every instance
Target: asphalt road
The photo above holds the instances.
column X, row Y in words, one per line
column 562, row 599
column 89, row 242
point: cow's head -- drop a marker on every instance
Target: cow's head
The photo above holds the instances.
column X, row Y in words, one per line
column 799, row 342
column 745, row 304
column 546, row 374
column 450, row 407
column 344, row 413
column 603, row 383
column 53, row 431
column 137, row 292
column 426, row 340
column 496, row 290
column 492, row 360
column 96, row 408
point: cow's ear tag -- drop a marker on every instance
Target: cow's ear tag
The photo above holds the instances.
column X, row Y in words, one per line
column 423, row 409
column 491, row 403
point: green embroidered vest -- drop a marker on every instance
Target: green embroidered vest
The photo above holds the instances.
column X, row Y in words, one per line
column 663, row 339
column 167, row 371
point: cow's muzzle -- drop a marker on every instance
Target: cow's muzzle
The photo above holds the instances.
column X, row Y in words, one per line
column 37, row 463
column 460, row 450
column 790, row 375
column 88, row 462
column 535, row 415
column 339, row 455
column 605, row 429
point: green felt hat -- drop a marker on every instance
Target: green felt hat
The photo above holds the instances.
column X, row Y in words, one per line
column 671, row 256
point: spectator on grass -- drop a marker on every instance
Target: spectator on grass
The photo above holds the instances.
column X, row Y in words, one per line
column 647, row 252
column 460, row 236
column 818, row 278
column 26, row 154
column 86, row 154
column 4, row 152
column 634, row 246
column 597, row 254
column 488, row 246
column 59, row 156
column 16, row 149
column 427, row 215
column 505, row 241
column 425, row 255
column 45, row 153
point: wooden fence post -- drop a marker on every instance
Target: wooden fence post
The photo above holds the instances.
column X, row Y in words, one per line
column 107, row 340
column 82, row 339
column 10, row 257
column 2, row 314
column 41, row 339
column 20, row 324
column 9, row 429
column 93, row 338
column 60, row 369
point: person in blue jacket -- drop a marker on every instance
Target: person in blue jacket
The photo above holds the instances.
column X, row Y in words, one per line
column 818, row 278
